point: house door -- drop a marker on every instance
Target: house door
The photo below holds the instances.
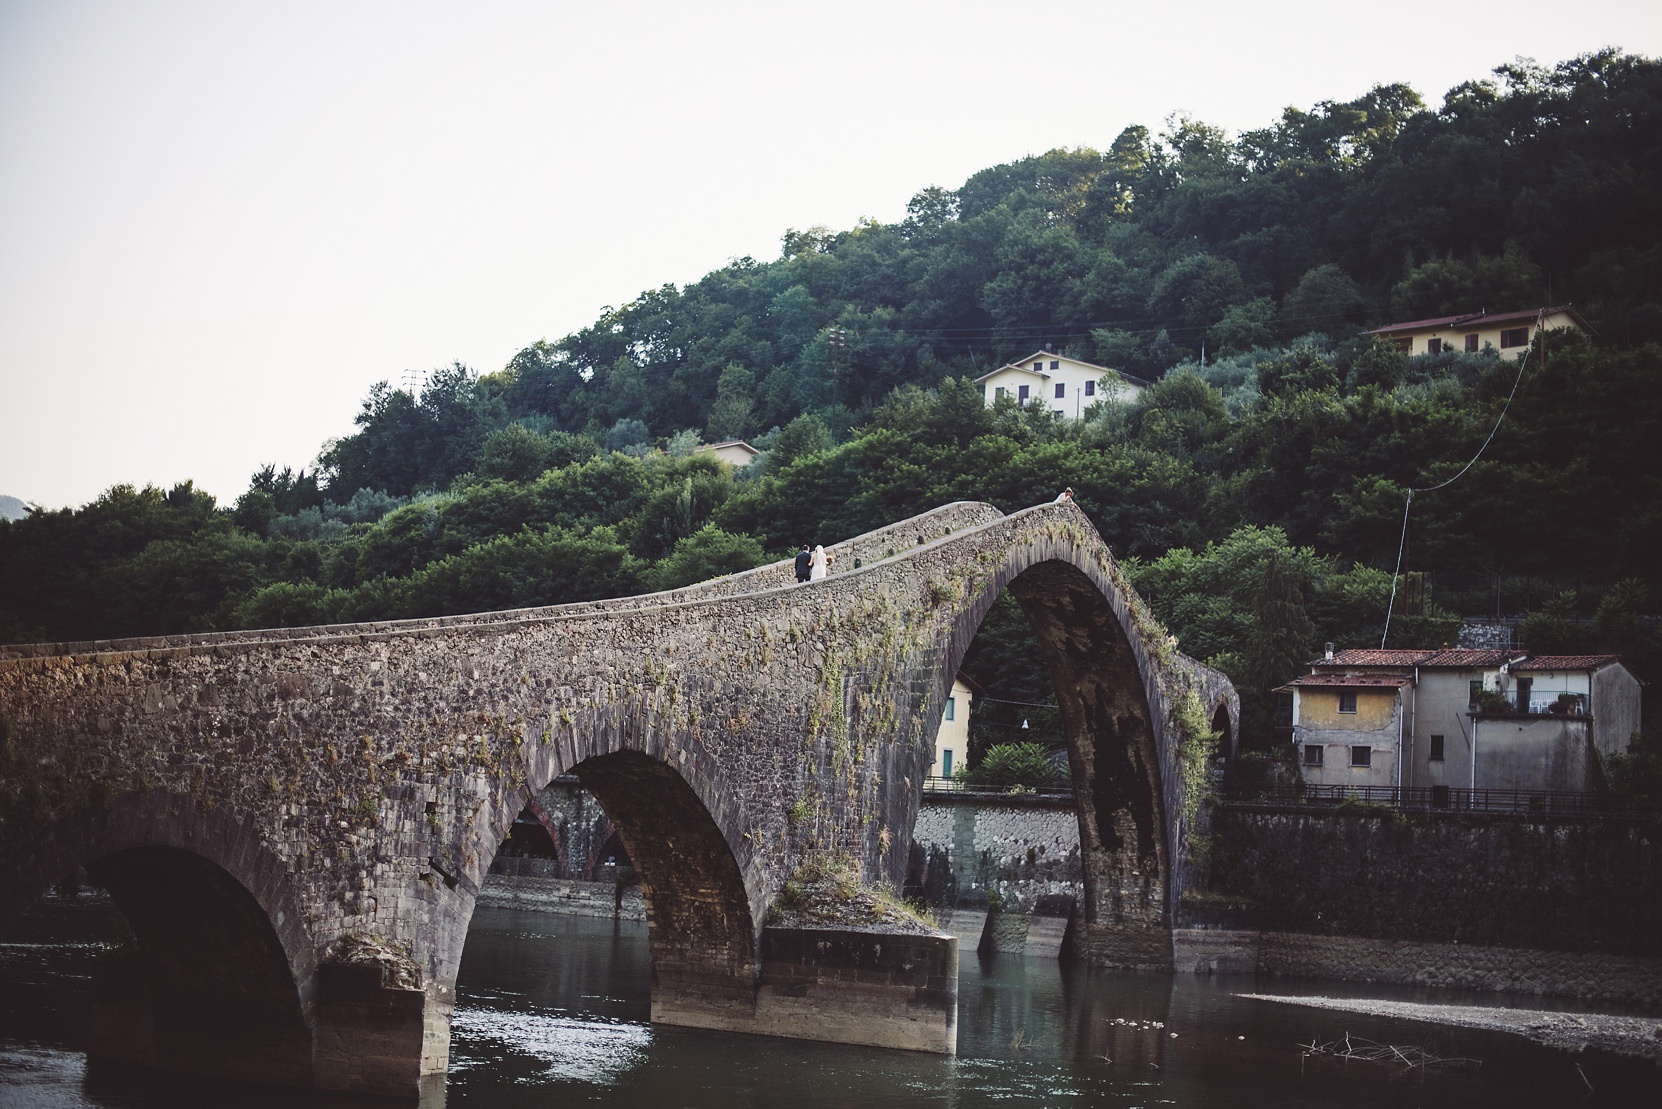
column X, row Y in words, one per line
column 1523, row 694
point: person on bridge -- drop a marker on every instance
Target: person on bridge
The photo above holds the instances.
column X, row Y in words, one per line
column 804, row 561
column 1064, row 497
column 819, row 564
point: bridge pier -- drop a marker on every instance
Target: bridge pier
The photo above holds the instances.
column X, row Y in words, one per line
column 834, row 985
column 377, row 1037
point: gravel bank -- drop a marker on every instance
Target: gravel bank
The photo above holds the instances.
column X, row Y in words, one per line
column 1639, row 1037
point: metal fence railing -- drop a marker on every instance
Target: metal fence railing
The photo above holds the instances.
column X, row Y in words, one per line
column 958, row 785
column 1456, row 799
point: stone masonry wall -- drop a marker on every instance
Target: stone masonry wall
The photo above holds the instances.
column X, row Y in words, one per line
column 1497, row 881
column 1023, row 850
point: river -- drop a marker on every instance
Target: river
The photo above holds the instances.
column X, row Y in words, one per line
column 553, row 1010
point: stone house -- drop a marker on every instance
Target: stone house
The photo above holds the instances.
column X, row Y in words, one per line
column 1454, row 723
column 1066, row 386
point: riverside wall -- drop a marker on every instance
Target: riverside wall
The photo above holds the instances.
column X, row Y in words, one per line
column 1487, row 903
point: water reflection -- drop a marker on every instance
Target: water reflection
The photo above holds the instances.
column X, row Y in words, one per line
column 555, row 1010
column 1030, row 1034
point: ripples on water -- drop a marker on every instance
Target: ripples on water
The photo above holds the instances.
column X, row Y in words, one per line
column 554, row 1011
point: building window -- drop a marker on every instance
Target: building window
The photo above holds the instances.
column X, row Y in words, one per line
column 952, row 710
column 1434, row 346
column 1436, row 748
column 1361, row 756
column 1471, row 343
column 1021, row 394
column 946, row 763
column 999, row 391
column 1347, row 700
column 1056, row 365
column 1514, row 337
column 1090, row 388
column 1061, row 390
column 1472, row 690
column 1038, row 367
column 1312, row 754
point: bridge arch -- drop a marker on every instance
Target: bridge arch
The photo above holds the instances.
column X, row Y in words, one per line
column 1113, row 714
column 701, row 929
column 220, row 982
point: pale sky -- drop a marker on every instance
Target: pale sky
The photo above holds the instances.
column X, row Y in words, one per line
column 222, row 222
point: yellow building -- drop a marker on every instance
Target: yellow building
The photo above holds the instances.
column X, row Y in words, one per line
column 952, row 740
column 1510, row 333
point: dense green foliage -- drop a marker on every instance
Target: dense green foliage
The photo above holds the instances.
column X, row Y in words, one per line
column 1016, row 767
column 1256, row 491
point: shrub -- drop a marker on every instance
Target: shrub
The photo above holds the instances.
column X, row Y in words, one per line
column 1016, row 767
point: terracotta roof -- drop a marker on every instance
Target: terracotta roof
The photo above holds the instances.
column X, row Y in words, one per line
column 1349, row 681
column 1480, row 319
column 1567, row 662
column 1466, row 658
column 1445, row 657
column 1365, row 656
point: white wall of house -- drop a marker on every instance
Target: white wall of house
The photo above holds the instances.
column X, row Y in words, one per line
column 1065, row 386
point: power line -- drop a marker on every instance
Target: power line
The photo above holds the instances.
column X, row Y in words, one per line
column 1408, row 500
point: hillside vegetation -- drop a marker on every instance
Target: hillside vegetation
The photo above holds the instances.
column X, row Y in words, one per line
column 1257, row 490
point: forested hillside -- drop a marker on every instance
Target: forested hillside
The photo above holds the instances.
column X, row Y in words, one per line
column 1257, row 490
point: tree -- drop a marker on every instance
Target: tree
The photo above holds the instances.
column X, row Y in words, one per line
column 1194, row 292
column 730, row 414
column 1281, row 641
column 805, row 435
column 707, row 553
column 1243, row 327
column 1325, row 299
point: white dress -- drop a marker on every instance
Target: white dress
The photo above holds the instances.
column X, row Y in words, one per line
column 817, row 565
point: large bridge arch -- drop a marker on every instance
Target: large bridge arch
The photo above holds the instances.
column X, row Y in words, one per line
column 1117, row 694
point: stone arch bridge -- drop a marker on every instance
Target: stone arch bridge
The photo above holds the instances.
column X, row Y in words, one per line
column 296, row 822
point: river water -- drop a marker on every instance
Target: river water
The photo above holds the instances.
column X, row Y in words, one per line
column 553, row 1011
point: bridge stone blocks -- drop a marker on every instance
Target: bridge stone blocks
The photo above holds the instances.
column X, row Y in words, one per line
column 331, row 798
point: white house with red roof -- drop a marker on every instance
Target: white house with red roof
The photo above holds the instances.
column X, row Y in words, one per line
column 1066, row 386
column 1510, row 333
column 1462, row 727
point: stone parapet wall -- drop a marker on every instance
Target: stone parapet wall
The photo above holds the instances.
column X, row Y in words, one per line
column 1586, row 976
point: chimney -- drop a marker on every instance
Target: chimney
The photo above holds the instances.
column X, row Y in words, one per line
column 1330, row 652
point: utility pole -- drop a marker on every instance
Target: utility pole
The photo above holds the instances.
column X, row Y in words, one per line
column 837, row 339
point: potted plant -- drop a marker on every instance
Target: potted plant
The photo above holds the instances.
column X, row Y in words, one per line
column 1492, row 702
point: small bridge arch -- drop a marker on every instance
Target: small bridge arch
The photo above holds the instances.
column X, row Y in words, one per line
column 732, row 730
